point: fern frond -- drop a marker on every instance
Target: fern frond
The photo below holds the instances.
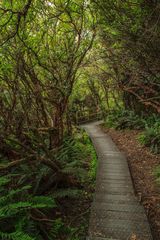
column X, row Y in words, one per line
column 4, row 180
column 78, row 172
column 5, row 199
column 36, row 202
column 18, row 235
column 48, row 202
column 73, row 193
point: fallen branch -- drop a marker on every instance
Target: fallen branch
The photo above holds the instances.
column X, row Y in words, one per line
column 12, row 164
column 44, row 161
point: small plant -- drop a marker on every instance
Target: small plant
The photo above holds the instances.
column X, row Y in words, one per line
column 89, row 150
column 151, row 137
column 71, row 157
column 93, row 164
column 157, row 173
column 59, row 230
column 124, row 119
column 17, row 206
column 142, row 138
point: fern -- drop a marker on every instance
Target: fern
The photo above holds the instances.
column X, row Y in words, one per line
column 48, row 202
column 15, row 208
column 157, row 173
column 16, row 236
column 4, row 180
column 122, row 119
column 73, row 193
column 18, row 200
column 151, row 137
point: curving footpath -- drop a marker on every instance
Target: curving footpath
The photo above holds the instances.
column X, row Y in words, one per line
column 116, row 214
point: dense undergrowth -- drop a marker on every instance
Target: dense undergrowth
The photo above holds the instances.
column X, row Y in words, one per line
column 149, row 125
column 31, row 194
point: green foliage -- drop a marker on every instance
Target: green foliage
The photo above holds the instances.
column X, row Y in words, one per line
column 151, row 136
column 18, row 235
column 18, row 190
column 91, row 153
column 16, row 206
column 71, row 150
column 93, row 166
column 157, row 173
column 36, row 85
column 60, row 229
column 152, row 121
column 122, row 24
column 122, row 119
column 72, row 157
column 93, row 163
column 71, row 193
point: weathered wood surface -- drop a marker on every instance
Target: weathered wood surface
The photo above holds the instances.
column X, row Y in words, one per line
column 116, row 213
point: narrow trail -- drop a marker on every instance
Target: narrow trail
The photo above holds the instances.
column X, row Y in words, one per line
column 116, row 214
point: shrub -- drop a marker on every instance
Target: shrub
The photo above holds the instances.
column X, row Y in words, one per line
column 151, row 137
column 122, row 119
column 157, row 173
column 74, row 153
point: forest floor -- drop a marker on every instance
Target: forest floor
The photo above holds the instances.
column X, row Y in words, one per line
column 142, row 164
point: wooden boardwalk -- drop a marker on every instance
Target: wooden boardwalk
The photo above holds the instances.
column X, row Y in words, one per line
column 116, row 213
